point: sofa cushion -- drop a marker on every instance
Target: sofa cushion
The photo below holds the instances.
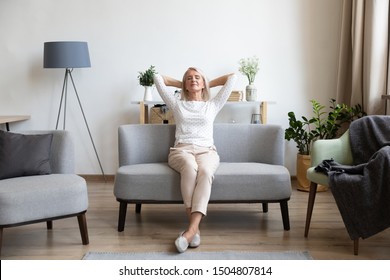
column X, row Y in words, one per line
column 241, row 181
column 24, row 155
column 149, row 181
column 247, row 181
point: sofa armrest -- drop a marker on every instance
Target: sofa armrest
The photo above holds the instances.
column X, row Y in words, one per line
column 338, row 149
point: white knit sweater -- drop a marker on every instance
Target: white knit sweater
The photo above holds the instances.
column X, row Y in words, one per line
column 194, row 119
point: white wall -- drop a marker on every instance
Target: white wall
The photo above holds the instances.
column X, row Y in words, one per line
column 296, row 41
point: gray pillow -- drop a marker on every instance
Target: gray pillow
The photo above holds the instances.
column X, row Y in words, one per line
column 24, row 155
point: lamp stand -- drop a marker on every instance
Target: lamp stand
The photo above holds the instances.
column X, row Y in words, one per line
column 68, row 74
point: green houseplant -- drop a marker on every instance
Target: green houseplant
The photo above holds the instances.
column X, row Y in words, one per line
column 145, row 79
column 321, row 125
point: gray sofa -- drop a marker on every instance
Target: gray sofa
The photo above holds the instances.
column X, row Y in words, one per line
column 251, row 170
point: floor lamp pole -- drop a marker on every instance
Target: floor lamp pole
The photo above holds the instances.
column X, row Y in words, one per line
column 63, row 98
column 68, row 74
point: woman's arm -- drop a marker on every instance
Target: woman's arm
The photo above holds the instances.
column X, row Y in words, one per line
column 220, row 81
column 222, row 96
column 162, row 84
column 171, row 82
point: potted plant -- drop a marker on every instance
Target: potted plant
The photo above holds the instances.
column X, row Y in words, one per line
column 145, row 79
column 322, row 125
column 249, row 67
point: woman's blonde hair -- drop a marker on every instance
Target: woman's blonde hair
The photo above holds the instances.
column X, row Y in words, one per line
column 205, row 90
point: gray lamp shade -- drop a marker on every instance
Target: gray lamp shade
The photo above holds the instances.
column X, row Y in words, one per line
column 69, row 54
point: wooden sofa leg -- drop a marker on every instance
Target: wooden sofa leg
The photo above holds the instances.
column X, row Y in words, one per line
column 356, row 246
column 265, row 207
column 83, row 228
column 285, row 215
column 1, row 239
column 49, row 225
column 122, row 216
column 310, row 205
column 138, row 208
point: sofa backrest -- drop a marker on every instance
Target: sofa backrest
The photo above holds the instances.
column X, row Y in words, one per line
column 62, row 158
column 235, row 143
column 250, row 143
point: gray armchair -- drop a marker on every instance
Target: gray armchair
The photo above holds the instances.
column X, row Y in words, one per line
column 44, row 198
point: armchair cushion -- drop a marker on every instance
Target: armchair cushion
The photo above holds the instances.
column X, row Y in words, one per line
column 25, row 199
column 24, row 155
column 338, row 149
column 319, row 178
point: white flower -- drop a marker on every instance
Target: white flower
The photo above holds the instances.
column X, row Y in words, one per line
column 249, row 67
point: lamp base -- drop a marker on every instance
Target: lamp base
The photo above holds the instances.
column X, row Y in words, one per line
column 68, row 74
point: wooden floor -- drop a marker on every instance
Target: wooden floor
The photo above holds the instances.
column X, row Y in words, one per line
column 238, row 227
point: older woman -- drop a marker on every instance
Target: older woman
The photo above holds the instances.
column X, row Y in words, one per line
column 194, row 155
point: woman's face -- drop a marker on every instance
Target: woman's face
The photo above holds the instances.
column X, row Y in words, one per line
column 194, row 81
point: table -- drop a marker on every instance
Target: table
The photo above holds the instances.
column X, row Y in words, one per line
column 15, row 118
column 144, row 108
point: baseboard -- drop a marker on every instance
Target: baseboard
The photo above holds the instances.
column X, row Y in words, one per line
column 98, row 177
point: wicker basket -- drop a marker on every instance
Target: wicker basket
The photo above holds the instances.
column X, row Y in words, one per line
column 161, row 115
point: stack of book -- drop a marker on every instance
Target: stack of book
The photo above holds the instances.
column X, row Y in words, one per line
column 235, row 96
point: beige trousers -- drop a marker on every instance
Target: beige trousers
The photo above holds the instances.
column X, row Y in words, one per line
column 196, row 166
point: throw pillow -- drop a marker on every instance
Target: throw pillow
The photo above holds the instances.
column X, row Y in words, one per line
column 24, row 155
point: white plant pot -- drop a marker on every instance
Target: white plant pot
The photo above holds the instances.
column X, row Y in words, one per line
column 148, row 96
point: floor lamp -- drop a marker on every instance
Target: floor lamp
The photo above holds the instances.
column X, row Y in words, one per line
column 68, row 55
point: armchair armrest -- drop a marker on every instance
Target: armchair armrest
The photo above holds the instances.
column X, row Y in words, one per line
column 339, row 149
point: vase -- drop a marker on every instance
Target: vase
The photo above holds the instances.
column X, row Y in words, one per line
column 251, row 92
column 256, row 119
column 148, row 96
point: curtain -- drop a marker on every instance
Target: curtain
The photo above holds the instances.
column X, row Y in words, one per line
column 363, row 74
